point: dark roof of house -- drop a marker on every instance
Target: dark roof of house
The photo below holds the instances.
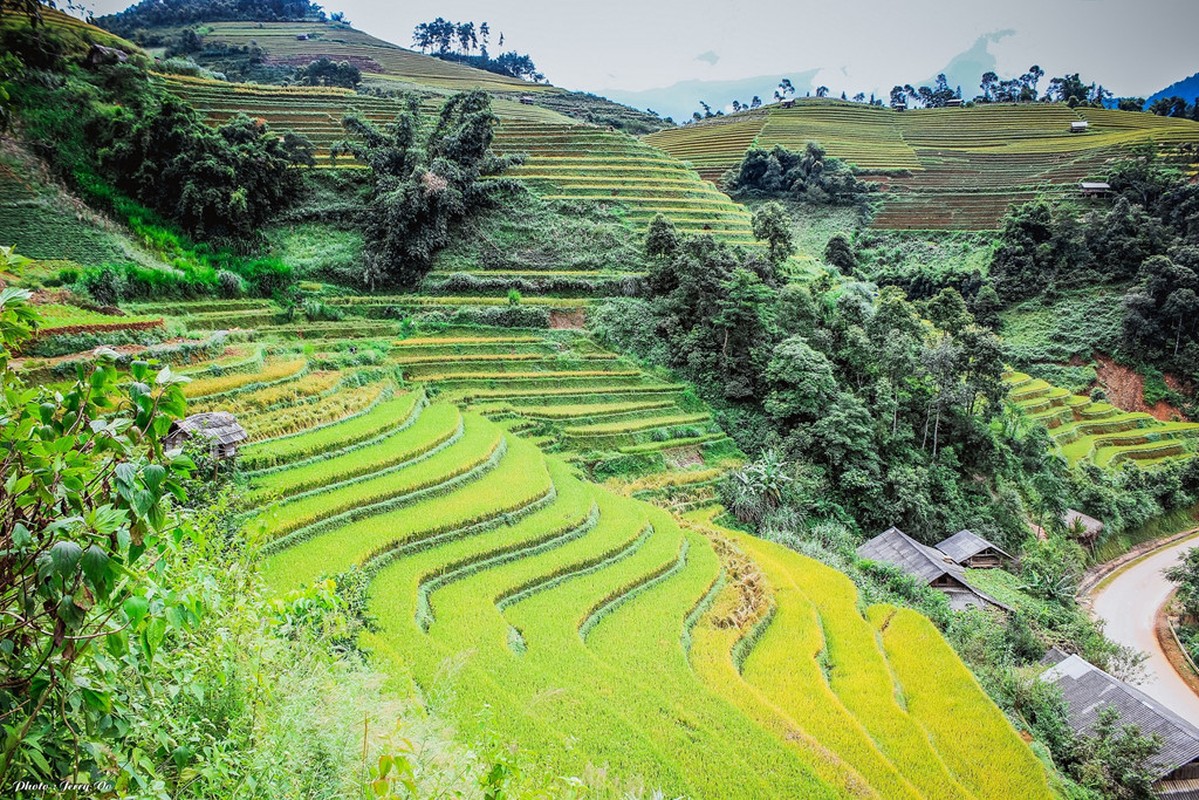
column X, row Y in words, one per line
column 218, row 426
column 964, row 545
column 893, row 546
column 924, row 563
column 1087, row 690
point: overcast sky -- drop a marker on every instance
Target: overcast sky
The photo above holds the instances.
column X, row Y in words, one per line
column 1131, row 46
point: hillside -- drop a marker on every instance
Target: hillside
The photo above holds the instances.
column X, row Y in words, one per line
column 941, row 169
column 426, row 472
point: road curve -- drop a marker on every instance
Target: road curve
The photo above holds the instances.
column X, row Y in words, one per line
column 1128, row 604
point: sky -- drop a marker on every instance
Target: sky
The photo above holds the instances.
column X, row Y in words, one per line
column 1133, row 47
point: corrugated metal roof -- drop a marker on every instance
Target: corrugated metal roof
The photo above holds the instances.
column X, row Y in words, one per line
column 963, row 545
column 893, row 546
column 1087, row 690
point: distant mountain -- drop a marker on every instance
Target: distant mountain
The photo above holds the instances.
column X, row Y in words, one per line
column 680, row 99
column 1187, row 88
column 965, row 70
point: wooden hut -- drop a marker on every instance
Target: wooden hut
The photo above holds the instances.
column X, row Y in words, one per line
column 1094, row 188
column 1079, row 126
column 899, row 106
column 927, row 565
column 953, row 102
column 1088, row 690
column 788, row 104
column 1083, row 527
column 219, row 429
column 968, row 549
column 526, row 100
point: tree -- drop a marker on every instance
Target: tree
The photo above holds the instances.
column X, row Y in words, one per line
column 989, row 81
column 1186, row 575
column 808, row 176
column 1169, row 107
column 326, row 72
column 1115, row 760
column 423, row 183
column 661, row 238
column 772, row 225
column 1131, row 104
column 839, row 253
column 800, row 382
column 822, row 91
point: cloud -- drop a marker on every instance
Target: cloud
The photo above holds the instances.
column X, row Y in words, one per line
column 710, row 57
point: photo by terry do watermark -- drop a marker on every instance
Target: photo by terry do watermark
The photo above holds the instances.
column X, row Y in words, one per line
column 65, row 786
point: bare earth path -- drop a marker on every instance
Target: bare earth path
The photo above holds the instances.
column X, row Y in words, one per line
column 1128, row 604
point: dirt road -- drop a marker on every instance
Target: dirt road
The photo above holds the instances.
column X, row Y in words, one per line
column 1129, row 603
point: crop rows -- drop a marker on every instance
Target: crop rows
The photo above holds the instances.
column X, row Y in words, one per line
column 589, row 617
column 377, row 58
column 1098, row 432
column 941, row 168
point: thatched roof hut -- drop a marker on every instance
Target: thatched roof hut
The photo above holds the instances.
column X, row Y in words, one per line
column 218, row 428
column 1084, row 527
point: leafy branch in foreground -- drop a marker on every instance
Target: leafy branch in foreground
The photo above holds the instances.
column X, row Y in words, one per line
column 83, row 514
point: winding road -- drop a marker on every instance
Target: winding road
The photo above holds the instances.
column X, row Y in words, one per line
column 1128, row 603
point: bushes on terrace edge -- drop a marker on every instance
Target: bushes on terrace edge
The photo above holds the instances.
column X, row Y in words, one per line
column 811, row 176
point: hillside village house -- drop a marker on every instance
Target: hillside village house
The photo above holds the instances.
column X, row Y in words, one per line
column 1094, row 188
column 1087, row 690
column 1079, row 126
column 972, row 551
column 218, row 429
column 930, row 566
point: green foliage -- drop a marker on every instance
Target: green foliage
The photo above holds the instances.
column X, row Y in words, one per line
column 772, row 225
column 1186, row 575
column 78, row 561
column 326, row 72
column 424, row 183
column 156, row 14
column 811, row 177
column 1114, row 759
column 1161, row 315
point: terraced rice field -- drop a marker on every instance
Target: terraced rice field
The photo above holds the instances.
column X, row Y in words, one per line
column 941, row 168
column 576, row 162
column 602, row 631
column 58, row 319
column 1100, row 433
column 315, row 112
column 378, row 60
column 566, row 160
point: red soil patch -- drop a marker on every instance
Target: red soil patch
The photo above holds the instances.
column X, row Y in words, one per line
column 683, row 457
column 568, row 319
column 1125, row 389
